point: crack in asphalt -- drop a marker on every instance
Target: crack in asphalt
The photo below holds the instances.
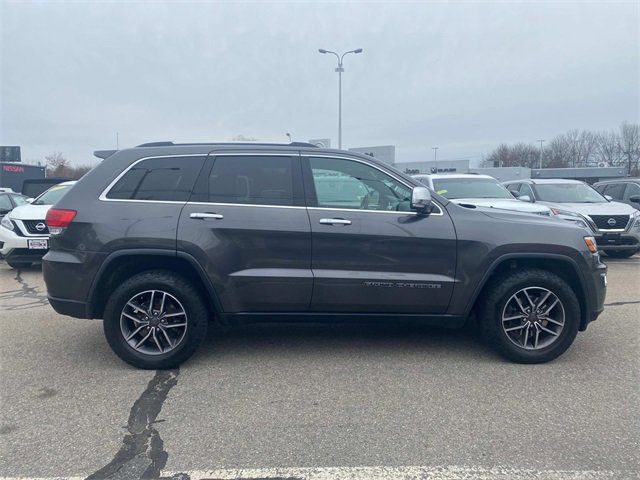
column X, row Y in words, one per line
column 142, row 454
column 25, row 291
column 617, row 304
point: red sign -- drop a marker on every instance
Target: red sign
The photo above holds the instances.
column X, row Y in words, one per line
column 13, row 168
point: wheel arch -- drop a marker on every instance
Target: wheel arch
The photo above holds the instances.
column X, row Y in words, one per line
column 122, row 264
column 561, row 265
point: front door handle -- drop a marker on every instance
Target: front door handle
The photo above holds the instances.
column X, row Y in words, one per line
column 202, row 216
column 335, row 221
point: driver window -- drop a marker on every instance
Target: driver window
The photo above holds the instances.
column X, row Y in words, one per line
column 348, row 184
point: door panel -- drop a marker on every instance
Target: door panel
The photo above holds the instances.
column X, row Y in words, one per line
column 258, row 255
column 383, row 261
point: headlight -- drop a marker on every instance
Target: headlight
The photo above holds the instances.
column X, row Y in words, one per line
column 6, row 223
column 636, row 215
column 574, row 217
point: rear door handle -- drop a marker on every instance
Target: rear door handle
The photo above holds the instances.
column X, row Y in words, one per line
column 335, row 221
column 205, row 215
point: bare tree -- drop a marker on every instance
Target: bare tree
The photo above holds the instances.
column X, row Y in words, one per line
column 576, row 148
column 630, row 146
column 608, row 148
column 58, row 166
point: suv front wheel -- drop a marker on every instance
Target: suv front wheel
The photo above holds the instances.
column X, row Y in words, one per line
column 531, row 316
column 155, row 320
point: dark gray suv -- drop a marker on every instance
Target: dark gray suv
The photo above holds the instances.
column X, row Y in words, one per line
column 161, row 239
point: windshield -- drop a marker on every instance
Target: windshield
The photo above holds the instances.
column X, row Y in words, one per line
column 453, row 188
column 52, row 195
column 568, row 193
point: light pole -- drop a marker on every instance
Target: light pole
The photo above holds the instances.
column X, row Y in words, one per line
column 540, row 159
column 289, row 136
column 340, row 69
column 435, row 157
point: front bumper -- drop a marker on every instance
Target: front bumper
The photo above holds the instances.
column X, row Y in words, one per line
column 618, row 241
column 596, row 291
column 16, row 247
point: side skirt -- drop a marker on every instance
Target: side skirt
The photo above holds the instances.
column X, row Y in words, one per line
column 446, row 321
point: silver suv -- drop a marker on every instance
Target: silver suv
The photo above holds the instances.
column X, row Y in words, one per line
column 616, row 226
column 478, row 191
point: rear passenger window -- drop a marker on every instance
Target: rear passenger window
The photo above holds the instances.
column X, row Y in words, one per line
column 167, row 178
column 258, row 180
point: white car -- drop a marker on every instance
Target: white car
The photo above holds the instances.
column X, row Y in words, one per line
column 615, row 225
column 479, row 191
column 24, row 236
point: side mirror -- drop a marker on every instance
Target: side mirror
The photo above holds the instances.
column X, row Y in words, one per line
column 608, row 197
column 421, row 199
column 4, row 211
column 515, row 193
column 524, row 198
column 634, row 198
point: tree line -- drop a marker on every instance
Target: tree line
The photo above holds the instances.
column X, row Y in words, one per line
column 576, row 148
column 57, row 166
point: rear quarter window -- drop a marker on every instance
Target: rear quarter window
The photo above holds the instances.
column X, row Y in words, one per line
column 159, row 179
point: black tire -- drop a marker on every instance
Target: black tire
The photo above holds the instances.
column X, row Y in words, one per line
column 498, row 293
column 620, row 253
column 18, row 265
column 184, row 291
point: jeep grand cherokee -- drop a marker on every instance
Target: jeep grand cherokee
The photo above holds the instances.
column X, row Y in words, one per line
column 159, row 240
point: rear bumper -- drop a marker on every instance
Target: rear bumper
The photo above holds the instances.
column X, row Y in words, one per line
column 72, row 308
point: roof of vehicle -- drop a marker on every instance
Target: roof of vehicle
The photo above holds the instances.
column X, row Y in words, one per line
column 435, row 176
column 619, row 180
column 546, row 181
column 259, row 145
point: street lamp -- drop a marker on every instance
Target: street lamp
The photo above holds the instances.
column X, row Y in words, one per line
column 435, row 157
column 340, row 69
column 540, row 160
column 288, row 136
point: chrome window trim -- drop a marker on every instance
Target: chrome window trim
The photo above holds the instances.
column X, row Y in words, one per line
column 259, row 205
column 343, row 157
column 103, row 195
column 397, row 212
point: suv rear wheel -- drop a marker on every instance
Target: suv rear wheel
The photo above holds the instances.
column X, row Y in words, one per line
column 155, row 320
column 530, row 316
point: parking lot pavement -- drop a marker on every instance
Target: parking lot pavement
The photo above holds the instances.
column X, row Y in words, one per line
column 318, row 402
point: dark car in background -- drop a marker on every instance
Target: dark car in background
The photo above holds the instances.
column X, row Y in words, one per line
column 625, row 190
column 159, row 240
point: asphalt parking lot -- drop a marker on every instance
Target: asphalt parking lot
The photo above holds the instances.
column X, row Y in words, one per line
column 318, row 402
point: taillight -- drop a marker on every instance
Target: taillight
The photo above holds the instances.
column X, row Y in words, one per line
column 59, row 219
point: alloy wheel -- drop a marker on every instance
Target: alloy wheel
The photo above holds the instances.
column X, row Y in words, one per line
column 153, row 322
column 533, row 318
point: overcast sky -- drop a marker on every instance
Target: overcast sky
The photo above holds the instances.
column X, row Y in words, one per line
column 461, row 76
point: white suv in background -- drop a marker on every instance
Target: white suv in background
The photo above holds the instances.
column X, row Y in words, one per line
column 477, row 191
column 616, row 226
column 24, row 236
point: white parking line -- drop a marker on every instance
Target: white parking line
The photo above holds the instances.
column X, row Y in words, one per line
column 382, row 473
column 401, row 473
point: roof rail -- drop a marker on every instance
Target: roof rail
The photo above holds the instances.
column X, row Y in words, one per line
column 169, row 144
column 157, row 144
